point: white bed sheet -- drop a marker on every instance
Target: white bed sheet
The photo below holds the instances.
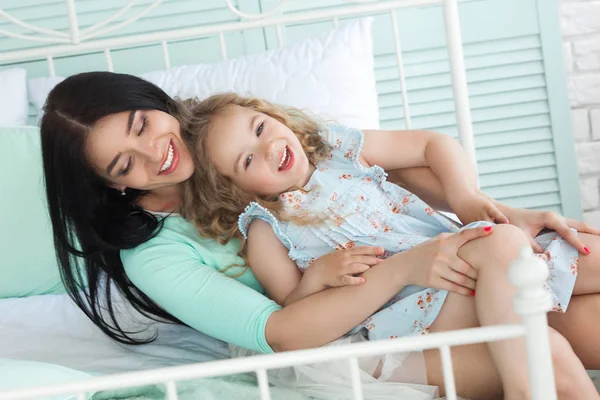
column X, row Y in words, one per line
column 52, row 329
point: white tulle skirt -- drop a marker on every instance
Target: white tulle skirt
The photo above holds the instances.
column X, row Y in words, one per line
column 400, row 376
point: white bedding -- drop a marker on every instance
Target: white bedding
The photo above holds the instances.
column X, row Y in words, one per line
column 52, row 329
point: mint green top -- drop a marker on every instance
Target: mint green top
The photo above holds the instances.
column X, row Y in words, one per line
column 181, row 271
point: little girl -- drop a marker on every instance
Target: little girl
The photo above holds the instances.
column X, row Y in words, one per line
column 322, row 186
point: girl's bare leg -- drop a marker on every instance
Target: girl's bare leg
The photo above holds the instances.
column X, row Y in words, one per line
column 475, row 374
column 491, row 257
column 493, row 302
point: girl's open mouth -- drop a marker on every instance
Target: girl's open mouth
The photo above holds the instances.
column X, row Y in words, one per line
column 286, row 160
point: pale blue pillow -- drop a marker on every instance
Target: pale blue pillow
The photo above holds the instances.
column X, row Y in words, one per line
column 28, row 264
column 18, row 374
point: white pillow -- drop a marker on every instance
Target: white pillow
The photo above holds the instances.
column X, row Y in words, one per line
column 39, row 88
column 13, row 97
column 331, row 75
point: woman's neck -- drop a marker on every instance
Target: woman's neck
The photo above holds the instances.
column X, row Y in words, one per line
column 166, row 199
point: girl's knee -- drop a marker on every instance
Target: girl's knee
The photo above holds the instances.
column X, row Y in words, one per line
column 495, row 250
column 507, row 237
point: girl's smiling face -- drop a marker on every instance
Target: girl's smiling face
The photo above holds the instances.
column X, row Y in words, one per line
column 257, row 152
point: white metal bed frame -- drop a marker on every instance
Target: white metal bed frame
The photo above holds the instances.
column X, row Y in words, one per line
column 527, row 272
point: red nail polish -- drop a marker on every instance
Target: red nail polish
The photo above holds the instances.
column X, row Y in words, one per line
column 586, row 250
column 472, row 293
column 487, row 228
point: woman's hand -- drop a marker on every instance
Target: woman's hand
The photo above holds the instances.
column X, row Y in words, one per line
column 532, row 222
column 476, row 206
column 435, row 263
column 340, row 267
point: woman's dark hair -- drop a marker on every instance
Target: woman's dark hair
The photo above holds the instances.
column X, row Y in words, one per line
column 92, row 222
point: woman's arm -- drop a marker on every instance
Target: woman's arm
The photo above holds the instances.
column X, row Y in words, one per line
column 423, row 182
column 327, row 315
column 170, row 270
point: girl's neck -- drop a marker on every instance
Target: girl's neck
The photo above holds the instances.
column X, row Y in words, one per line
column 302, row 185
column 309, row 174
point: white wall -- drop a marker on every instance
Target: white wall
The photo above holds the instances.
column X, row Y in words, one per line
column 580, row 23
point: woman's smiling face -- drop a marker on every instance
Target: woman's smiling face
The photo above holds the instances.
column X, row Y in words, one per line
column 140, row 149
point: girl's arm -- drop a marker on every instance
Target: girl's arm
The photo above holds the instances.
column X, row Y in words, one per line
column 274, row 270
column 305, row 288
column 415, row 148
column 282, row 280
column 422, row 182
column 327, row 315
column 446, row 159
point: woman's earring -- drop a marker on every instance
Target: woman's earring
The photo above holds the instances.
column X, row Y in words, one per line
column 123, row 192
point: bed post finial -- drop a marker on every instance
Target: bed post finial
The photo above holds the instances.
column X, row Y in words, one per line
column 532, row 301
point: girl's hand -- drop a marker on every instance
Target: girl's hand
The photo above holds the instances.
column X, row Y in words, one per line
column 532, row 222
column 340, row 267
column 435, row 263
column 477, row 207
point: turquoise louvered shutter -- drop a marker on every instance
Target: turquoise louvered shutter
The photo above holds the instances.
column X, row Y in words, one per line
column 515, row 74
column 517, row 89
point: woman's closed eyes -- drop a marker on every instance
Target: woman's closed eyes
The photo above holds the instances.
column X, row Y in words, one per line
column 145, row 124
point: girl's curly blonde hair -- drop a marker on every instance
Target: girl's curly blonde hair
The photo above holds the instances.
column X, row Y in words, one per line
column 212, row 201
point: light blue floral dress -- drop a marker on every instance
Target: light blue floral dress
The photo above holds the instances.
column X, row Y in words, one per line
column 356, row 206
